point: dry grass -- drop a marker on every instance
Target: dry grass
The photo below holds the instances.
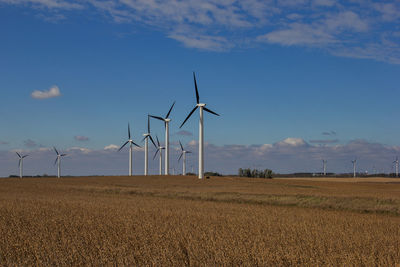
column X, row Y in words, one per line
column 183, row 221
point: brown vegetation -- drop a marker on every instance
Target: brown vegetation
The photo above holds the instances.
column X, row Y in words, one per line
column 183, row 221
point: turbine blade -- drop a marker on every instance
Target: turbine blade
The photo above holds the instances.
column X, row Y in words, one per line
column 55, row 162
column 129, row 132
column 156, row 153
column 210, row 111
column 190, row 114
column 180, row 157
column 24, row 156
column 56, row 150
column 195, row 87
column 62, row 155
column 123, row 145
column 169, row 112
column 158, row 142
column 135, row 144
column 18, row 154
column 144, row 138
column 181, row 145
column 188, row 152
column 148, row 124
column 156, row 117
column 151, row 139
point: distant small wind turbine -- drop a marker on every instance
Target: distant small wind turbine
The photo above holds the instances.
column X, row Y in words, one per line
column 183, row 153
column 58, row 161
column 130, row 141
column 397, row 166
column 201, row 107
column 159, row 148
column 324, row 166
column 146, row 146
column 21, row 163
column 354, row 167
column 166, row 121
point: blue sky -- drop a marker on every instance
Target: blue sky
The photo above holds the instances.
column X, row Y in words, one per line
column 294, row 80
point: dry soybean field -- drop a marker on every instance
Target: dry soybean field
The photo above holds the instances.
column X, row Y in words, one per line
column 175, row 221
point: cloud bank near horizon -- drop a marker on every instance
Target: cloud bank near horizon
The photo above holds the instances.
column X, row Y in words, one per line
column 286, row 156
column 356, row 29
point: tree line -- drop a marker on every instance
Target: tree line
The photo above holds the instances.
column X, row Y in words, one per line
column 267, row 173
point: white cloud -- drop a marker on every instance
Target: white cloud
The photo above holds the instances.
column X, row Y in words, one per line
column 54, row 91
column 50, row 4
column 299, row 34
column 292, row 142
column 80, row 149
column 342, row 28
column 193, row 143
column 111, row 147
column 288, row 155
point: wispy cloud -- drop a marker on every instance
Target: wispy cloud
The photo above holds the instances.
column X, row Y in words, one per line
column 358, row 29
column 81, row 138
column 329, row 133
column 184, row 133
column 30, row 143
column 328, row 141
column 3, row 143
column 54, row 91
column 49, row 4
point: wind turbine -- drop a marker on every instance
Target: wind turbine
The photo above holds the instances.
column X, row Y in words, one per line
column 324, row 166
column 201, row 107
column 166, row 121
column 21, row 164
column 58, row 161
column 397, row 166
column 183, row 153
column 130, row 141
column 146, row 146
column 159, row 148
column 354, row 167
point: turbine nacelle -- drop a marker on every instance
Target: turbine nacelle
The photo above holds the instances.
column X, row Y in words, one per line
column 201, row 105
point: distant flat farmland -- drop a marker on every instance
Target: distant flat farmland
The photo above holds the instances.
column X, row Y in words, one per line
column 175, row 221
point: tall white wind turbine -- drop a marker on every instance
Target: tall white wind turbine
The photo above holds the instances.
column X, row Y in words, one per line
column 130, row 141
column 397, row 166
column 58, row 162
column 166, row 121
column 324, row 166
column 21, row 164
column 159, row 149
column 146, row 146
column 201, row 107
column 354, row 167
column 183, row 153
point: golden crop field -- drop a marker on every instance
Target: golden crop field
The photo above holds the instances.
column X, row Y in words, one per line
column 175, row 221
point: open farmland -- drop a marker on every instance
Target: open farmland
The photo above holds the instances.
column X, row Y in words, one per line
column 160, row 220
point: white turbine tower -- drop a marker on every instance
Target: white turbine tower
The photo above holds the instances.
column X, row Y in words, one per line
column 159, row 148
column 146, row 146
column 130, row 141
column 354, row 167
column 58, row 161
column 183, row 153
column 324, row 166
column 166, row 121
column 21, row 164
column 397, row 166
column 201, row 107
